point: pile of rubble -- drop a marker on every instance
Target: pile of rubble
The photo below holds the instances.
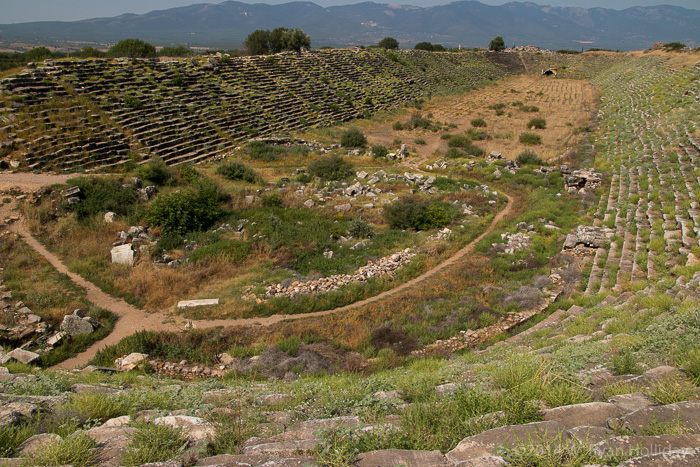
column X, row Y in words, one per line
column 513, row 242
column 124, row 249
column 588, row 236
column 470, row 338
column 384, row 266
column 580, row 181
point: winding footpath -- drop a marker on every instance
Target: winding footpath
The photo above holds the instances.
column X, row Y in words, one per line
column 131, row 319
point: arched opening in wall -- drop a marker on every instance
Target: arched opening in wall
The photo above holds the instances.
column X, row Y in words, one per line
column 550, row 72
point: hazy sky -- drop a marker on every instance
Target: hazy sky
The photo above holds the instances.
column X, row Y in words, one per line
column 19, row 11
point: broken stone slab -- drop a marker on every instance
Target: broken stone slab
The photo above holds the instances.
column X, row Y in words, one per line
column 644, row 444
column 485, row 461
column 594, row 413
column 31, row 446
column 21, row 356
column 587, row 435
column 283, row 448
column 400, row 457
column 309, row 428
column 195, row 427
column 590, row 236
column 687, row 413
column 309, row 203
column 679, row 458
column 486, row 443
column 343, row 207
column 101, row 434
column 110, row 217
column 196, row 303
column 632, row 402
column 76, row 326
column 130, row 361
column 123, row 254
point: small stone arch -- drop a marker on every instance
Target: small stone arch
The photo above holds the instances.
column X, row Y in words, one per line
column 549, row 72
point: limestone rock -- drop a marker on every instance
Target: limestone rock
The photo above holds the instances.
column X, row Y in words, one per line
column 484, row 444
column 687, row 412
column 75, row 326
column 592, row 237
column 123, row 254
column 645, row 444
column 631, row 402
column 676, row 458
column 104, row 433
column 110, row 217
column 195, row 427
column 130, row 362
column 21, row 356
column 35, row 443
column 401, row 457
column 593, row 413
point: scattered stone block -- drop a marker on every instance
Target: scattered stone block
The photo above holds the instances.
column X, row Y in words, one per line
column 21, row 356
column 123, row 254
column 130, row 362
column 196, row 303
column 401, row 457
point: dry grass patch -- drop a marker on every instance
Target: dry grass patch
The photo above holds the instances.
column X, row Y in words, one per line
column 567, row 106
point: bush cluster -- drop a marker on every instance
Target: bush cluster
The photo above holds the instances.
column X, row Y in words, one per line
column 412, row 212
column 191, row 210
column 360, row 228
column 530, row 139
column 331, row 167
column 529, row 157
column 237, row 171
column 259, row 151
column 157, row 172
column 353, row 138
column 101, row 195
column 379, row 151
column 537, row 123
column 478, row 123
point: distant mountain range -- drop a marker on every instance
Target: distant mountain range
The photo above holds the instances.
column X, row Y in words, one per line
column 465, row 23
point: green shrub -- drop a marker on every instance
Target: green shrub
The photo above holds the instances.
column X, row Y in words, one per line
column 398, row 126
column 237, row 171
column 420, row 141
column 331, row 167
column 359, row 228
column 691, row 366
column 477, row 135
column 101, row 195
column 478, row 123
column 530, row 139
column 465, row 143
column 191, row 210
column 157, row 172
column 289, row 345
column 12, row 436
column 412, row 212
column 529, row 157
column 77, row 450
column 273, row 200
column 353, row 138
column 537, row 123
column 230, row 250
column 672, row 390
column 132, row 102
column 625, row 363
column 454, row 153
column 259, row 151
column 379, row 151
column 154, row 443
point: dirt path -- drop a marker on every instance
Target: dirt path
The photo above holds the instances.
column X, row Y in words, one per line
column 131, row 319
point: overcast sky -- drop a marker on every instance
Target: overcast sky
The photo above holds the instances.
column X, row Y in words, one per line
column 19, row 11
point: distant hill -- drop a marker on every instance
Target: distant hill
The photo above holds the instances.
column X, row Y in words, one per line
column 465, row 23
